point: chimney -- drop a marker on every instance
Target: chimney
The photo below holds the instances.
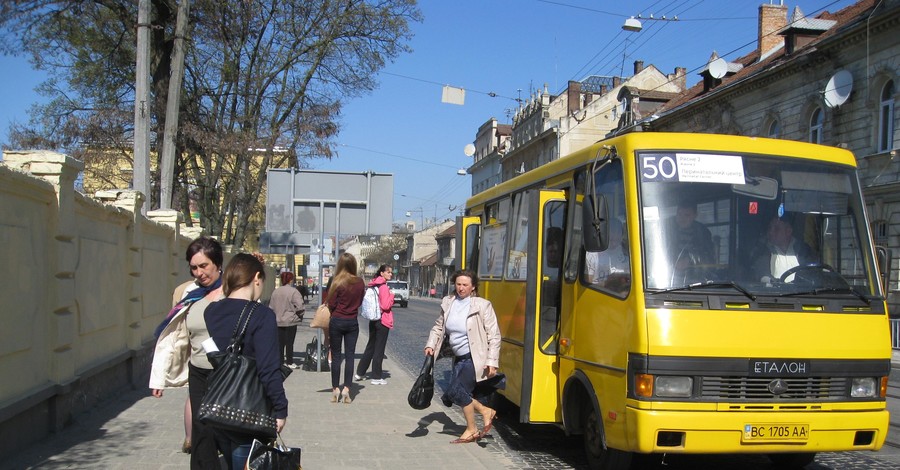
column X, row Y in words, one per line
column 617, row 81
column 638, row 66
column 681, row 78
column 772, row 18
column 573, row 96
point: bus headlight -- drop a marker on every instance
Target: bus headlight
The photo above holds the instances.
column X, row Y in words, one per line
column 674, row 386
column 863, row 387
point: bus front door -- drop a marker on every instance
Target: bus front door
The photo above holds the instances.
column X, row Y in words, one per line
column 547, row 239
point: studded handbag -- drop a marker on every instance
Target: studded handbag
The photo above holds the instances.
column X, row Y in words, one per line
column 235, row 399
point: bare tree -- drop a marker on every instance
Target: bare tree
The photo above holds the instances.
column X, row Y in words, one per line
column 263, row 88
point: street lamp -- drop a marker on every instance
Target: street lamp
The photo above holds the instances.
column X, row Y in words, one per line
column 632, row 24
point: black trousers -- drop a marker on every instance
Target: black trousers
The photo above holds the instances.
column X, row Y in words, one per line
column 344, row 330
column 286, row 336
column 374, row 353
column 206, row 441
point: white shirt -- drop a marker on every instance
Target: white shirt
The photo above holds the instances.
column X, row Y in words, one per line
column 455, row 326
column 781, row 261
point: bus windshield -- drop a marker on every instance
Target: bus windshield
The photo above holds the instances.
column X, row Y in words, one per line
column 765, row 226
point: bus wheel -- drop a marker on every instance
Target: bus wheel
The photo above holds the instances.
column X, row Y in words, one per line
column 792, row 460
column 598, row 457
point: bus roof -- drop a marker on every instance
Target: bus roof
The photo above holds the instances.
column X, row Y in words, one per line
column 627, row 144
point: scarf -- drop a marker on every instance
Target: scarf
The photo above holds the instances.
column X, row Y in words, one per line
column 186, row 301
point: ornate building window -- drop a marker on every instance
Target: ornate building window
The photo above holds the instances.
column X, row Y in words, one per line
column 815, row 126
column 774, row 129
column 886, row 118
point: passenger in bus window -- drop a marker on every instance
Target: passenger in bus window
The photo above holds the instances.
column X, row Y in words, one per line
column 781, row 252
column 689, row 242
column 601, row 265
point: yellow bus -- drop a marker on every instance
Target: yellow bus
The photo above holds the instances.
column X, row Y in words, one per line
column 688, row 293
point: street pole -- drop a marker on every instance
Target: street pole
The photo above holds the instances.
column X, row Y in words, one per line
column 167, row 159
column 141, row 166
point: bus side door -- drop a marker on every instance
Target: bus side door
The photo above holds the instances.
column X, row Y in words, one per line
column 541, row 372
column 467, row 241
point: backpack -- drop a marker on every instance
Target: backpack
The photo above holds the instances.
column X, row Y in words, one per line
column 370, row 310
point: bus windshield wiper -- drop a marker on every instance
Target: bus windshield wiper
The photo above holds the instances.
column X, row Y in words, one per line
column 697, row 285
column 829, row 290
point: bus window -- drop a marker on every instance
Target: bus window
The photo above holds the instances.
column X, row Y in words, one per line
column 610, row 270
column 573, row 250
column 517, row 261
column 789, row 229
column 472, row 243
column 551, row 264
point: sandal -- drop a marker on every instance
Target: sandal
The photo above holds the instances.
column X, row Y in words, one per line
column 489, row 423
column 465, row 440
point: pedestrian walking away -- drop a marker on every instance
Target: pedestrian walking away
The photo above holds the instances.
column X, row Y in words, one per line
column 287, row 303
column 243, row 285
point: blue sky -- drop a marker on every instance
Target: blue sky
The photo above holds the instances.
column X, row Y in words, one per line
column 507, row 47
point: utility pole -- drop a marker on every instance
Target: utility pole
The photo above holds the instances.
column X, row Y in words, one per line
column 141, row 166
column 167, row 160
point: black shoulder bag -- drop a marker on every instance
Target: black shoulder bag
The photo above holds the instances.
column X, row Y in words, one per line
column 235, row 399
column 423, row 389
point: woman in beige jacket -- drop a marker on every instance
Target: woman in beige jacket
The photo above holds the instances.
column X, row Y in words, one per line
column 469, row 324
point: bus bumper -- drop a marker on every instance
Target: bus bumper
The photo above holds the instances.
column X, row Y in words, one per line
column 755, row 432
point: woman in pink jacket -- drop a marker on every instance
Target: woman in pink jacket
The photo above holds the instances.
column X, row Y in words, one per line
column 378, row 329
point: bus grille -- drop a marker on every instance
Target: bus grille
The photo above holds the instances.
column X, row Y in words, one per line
column 757, row 388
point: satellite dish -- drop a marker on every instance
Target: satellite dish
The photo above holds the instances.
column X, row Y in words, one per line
column 718, row 68
column 838, row 89
column 469, row 150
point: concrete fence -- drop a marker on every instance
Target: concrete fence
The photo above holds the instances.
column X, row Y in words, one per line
column 83, row 283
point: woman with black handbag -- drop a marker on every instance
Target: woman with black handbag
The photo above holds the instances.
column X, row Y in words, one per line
column 470, row 326
column 243, row 285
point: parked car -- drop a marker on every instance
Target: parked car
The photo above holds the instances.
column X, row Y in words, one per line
column 400, row 289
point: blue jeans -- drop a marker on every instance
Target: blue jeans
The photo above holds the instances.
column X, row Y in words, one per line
column 344, row 330
column 462, row 382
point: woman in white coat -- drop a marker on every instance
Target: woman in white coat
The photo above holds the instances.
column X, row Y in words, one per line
column 470, row 326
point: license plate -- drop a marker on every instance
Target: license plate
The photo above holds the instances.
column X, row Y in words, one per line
column 775, row 432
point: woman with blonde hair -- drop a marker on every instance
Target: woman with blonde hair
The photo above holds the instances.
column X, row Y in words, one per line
column 344, row 298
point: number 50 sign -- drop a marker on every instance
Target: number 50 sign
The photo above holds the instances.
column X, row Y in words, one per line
column 692, row 167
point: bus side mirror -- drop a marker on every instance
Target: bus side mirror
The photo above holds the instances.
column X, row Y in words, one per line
column 594, row 216
column 883, row 255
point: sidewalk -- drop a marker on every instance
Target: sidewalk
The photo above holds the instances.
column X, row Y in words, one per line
column 378, row 430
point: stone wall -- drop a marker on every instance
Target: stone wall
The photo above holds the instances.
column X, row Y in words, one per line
column 85, row 281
